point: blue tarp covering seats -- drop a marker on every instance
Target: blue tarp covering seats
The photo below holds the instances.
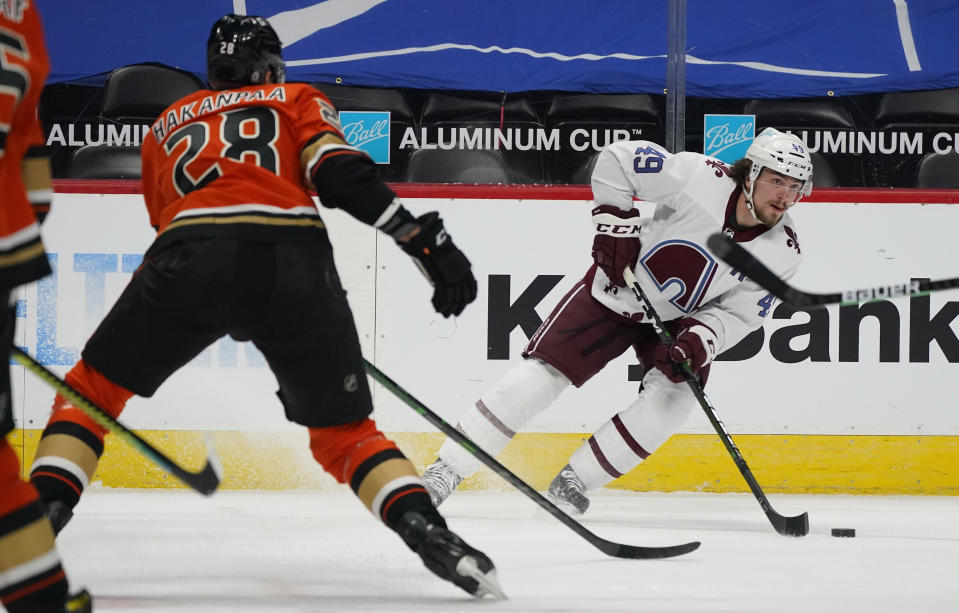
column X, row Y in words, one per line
column 458, row 166
column 742, row 49
column 402, row 117
column 940, row 170
column 105, row 162
column 815, row 115
column 588, row 122
column 925, row 112
column 475, row 121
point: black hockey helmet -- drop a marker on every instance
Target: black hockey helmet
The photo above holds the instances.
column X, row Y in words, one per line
column 241, row 49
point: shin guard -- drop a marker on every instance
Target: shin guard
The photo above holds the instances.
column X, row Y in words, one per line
column 72, row 443
column 31, row 577
column 376, row 470
column 528, row 388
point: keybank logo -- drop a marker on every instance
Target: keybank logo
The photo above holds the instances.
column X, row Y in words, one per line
column 727, row 137
column 369, row 131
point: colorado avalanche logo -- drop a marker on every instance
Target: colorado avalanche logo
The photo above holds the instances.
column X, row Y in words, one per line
column 793, row 240
column 682, row 267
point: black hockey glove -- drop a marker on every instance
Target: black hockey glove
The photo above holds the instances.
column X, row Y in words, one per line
column 443, row 264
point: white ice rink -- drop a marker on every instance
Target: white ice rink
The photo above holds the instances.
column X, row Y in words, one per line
column 267, row 552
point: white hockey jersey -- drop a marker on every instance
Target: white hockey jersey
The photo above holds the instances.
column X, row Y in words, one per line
column 686, row 198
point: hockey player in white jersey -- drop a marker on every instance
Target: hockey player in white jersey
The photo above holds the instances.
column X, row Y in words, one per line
column 708, row 307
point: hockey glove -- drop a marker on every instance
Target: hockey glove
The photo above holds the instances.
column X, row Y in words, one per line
column 695, row 344
column 616, row 244
column 443, row 265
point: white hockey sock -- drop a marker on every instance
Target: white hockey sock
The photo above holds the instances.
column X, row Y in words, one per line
column 528, row 388
column 632, row 435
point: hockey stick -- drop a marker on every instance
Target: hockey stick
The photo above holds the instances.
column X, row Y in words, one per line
column 743, row 261
column 204, row 481
column 788, row 526
column 610, row 548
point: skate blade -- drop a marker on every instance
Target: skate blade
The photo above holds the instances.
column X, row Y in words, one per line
column 566, row 507
column 488, row 584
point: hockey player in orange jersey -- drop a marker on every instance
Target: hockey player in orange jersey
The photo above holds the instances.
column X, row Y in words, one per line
column 32, row 579
column 242, row 250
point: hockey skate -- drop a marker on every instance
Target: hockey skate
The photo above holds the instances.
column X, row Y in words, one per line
column 440, row 480
column 568, row 493
column 449, row 557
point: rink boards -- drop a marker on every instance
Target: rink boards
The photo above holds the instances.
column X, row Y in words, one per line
column 840, row 400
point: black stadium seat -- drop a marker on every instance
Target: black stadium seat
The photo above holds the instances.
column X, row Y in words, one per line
column 588, row 122
column 583, row 173
column 105, row 162
column 904, row 115
column 923, row 108
column 939, row 170
column 469, row 122
column 140, row 92
column 458, row 166
column 823, row 174
column 800, row 113
column 805, row 118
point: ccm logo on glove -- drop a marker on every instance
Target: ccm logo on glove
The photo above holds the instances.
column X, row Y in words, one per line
column 616, row 244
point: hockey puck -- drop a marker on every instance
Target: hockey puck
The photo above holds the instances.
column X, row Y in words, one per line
column 844, row 532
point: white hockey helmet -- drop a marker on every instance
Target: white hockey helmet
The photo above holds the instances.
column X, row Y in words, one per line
column 783, row 152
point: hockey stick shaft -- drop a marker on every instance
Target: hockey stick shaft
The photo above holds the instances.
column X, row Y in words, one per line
column 204, row 481
column 618, row 550
column 746, row 263
column 790, row 526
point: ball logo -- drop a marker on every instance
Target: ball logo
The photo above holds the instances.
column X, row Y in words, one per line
column 369, row 131
column 359, row 133
column 727, row 137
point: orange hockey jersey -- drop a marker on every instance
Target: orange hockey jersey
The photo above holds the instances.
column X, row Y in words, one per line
column 242, row 162
column 24, row 170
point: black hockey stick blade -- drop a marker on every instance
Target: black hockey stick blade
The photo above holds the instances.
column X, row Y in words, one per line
column 787, row 526
column 736, row 256
column 205, row 481
column 617, row 550
column 797, row 525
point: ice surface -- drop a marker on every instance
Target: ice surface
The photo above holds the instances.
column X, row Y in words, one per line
column 158, row 551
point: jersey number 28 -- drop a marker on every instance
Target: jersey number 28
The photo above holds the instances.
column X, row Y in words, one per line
column 246, row 135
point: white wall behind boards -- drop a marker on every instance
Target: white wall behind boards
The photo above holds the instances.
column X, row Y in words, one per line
column 526, row 255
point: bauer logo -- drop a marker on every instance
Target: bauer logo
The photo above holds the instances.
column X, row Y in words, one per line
column 726, row 137
column 369, row 131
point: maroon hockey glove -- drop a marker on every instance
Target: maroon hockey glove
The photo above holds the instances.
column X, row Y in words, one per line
column 616, row 244
column 694, row 344
column 443, row 264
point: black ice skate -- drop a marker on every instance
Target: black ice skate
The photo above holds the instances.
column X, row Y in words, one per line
column 81, row 602
column 449, row 556
column 568, row 493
